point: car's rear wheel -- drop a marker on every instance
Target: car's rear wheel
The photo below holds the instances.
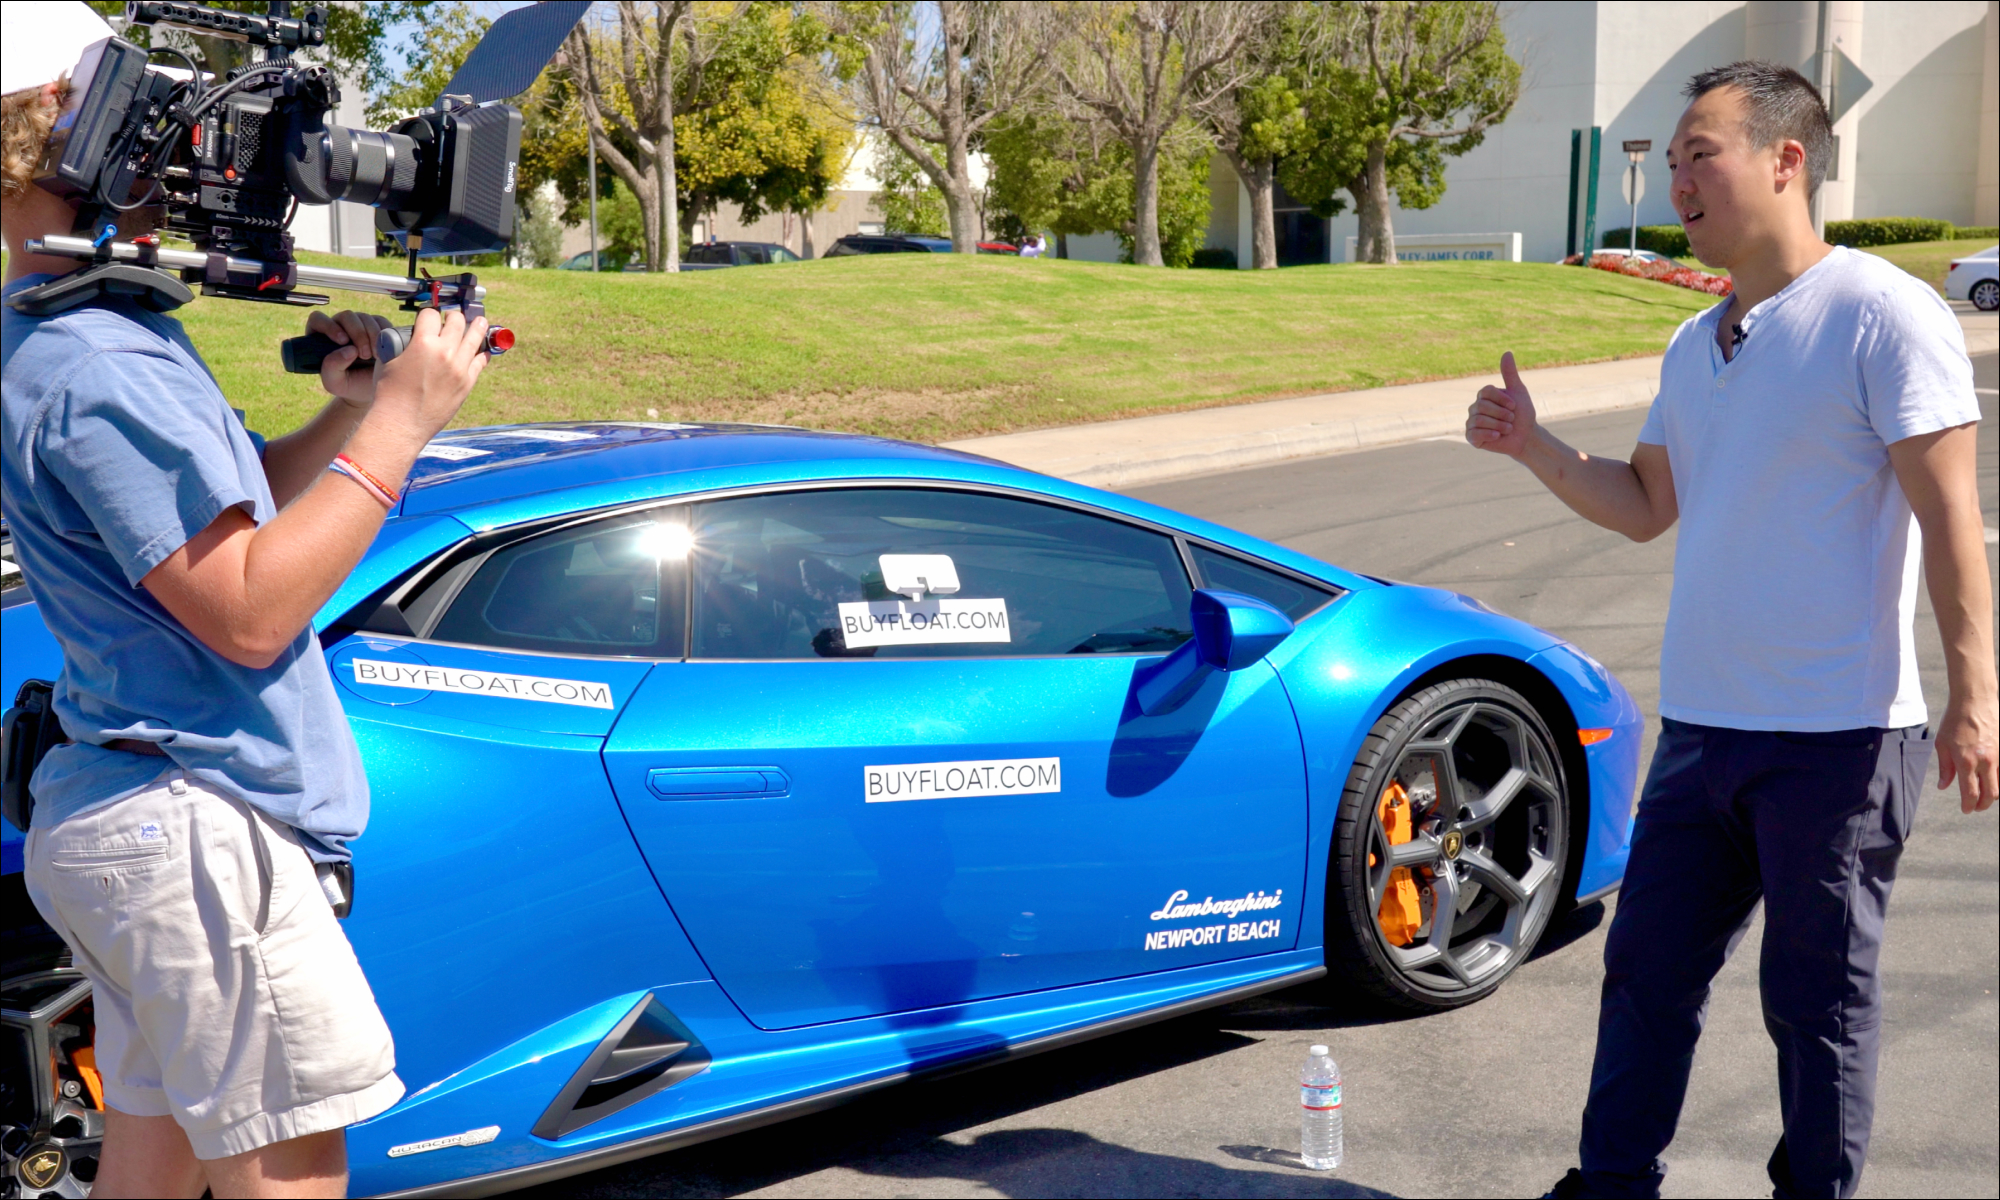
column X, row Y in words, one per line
column 1450, row 847
column 1986, row 295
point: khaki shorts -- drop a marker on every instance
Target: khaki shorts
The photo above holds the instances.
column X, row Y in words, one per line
column 226, row 994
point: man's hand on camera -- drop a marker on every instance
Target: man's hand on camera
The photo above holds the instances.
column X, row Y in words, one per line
column 422, row 388
column 349, row 372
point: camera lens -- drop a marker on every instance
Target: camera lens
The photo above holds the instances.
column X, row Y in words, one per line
column 378, row 169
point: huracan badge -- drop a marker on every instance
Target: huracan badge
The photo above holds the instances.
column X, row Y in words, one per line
column 1454, row 841
column 471, row 1137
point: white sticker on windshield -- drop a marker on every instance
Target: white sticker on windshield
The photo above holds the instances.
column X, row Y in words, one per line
column 583, row 693
column 924, row 623
column 451, row 453
column 946, row 780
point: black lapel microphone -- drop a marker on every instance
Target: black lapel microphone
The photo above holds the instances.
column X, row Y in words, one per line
column 1736, row 339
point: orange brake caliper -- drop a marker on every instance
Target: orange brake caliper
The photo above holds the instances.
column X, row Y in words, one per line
column 1400, row 914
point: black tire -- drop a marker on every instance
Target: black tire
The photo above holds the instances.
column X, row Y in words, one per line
column 1985, row 295
column 1499, row 850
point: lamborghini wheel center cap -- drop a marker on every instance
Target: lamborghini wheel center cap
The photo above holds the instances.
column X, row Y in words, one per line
column 1454, row 841
column 42, row 1166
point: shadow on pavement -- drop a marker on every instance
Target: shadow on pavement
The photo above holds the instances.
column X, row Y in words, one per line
column 1067, row 1162
column 1574, row 927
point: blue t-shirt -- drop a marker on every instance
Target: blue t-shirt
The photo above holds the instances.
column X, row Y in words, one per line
column 118, row 448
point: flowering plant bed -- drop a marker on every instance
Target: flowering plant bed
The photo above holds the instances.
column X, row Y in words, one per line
column 1664, row 271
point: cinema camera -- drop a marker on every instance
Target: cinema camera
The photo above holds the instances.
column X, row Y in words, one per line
column 230, row 159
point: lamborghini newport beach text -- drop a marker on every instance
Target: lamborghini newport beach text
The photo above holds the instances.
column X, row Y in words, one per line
column 721, row 773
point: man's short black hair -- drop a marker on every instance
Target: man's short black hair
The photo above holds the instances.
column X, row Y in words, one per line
column 1778, row 104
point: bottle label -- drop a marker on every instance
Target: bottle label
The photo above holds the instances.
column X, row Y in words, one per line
column 1320, row 1099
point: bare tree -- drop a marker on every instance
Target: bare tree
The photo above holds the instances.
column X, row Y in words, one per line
column 1140, row 68
column 644, row 72
column 931, row 96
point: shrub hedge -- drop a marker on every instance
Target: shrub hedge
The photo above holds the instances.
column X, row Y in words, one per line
column 1887, row 231
column 1970, row 232
column 1220, row 258
column 1670, row 240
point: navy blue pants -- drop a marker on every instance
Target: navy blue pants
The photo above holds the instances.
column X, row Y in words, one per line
column 1812, row 824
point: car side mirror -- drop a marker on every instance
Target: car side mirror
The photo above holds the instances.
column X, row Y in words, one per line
column 1231, row 631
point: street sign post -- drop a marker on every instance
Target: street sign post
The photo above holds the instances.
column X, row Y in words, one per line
column 1635, row 183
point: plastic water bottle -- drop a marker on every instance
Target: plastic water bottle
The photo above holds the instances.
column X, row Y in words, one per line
column 1319, row 1110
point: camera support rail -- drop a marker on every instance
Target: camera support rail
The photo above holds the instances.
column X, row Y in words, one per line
column 457, row 291
column 138, row 270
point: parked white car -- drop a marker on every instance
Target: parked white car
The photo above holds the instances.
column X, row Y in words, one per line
column 1976, row 278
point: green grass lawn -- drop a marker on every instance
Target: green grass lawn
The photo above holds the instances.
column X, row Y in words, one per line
column 1929, row 261
column 934, row 347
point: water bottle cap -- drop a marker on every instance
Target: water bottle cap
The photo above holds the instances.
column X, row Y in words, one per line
column 1318, row 1051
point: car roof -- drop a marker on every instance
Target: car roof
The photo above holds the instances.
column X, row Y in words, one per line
column 464, row 468
column 500, row 476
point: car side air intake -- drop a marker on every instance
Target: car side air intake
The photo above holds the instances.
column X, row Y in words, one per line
column 648, row 1051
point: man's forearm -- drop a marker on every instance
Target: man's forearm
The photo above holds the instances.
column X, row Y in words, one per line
column 1604, row 491
column 1955, row 570
column 294, row 461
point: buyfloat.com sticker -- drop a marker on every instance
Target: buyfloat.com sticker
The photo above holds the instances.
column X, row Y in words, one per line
column 583, row 693
column 923, row 622
column 945, row 780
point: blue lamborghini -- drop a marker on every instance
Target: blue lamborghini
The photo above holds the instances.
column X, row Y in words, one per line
column 722, row 773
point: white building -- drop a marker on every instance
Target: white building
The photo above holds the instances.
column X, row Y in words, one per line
column 1920, row 142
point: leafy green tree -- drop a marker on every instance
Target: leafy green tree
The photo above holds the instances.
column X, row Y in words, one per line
column 767, row 131
column 1262, row 120
column 354, row 36
column 712, row 101
column 444, row 34
column 621, row 225
column 1057, row 176
column 1068, row 179
column 538, row 234
column 909, row 201
column 1414, row 82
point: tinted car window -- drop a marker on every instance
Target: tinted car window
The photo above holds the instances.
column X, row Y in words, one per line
column 615, row 587
column 801, row 575
column 706, row 254
column 781, row 255
column 751, row 256
column 1294, row 597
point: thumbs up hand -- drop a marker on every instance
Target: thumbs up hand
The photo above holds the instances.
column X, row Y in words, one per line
column 1502, row 419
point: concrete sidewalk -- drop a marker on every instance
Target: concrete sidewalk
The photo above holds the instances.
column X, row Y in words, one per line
column 1141, row 450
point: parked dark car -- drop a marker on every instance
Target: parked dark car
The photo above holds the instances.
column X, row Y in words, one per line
column 606, row 261
column 710, row 256
column 888, row 243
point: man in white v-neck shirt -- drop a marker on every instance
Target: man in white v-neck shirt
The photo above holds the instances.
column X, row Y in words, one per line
column 1814, row 436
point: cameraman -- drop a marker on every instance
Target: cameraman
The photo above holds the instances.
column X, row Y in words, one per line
column 183, row 842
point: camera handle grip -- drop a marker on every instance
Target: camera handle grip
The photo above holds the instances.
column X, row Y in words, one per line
column 304, row 355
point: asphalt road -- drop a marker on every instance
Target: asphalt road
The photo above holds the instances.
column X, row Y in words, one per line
column 1482, row 1102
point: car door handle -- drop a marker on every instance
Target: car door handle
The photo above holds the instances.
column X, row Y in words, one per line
column 717, row 783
